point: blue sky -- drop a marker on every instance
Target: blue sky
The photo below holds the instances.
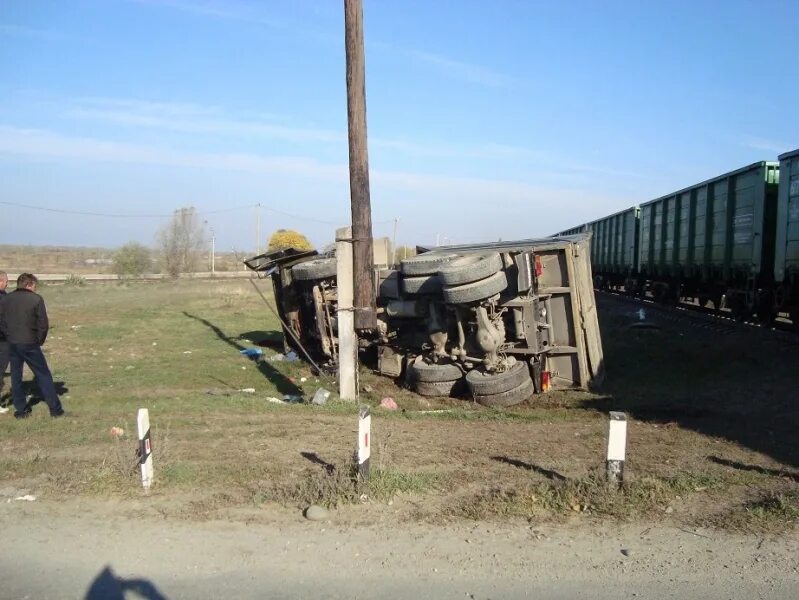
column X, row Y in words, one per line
column 497, row 119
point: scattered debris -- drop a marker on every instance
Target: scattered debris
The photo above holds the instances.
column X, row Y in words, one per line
column 155, row 343
column 187, row 352
column 3, row 410
column 316, row 513
column 434, row 412
column 641, row 314
column 320, row 397
column 251, row 352
column 277, row 357
column 303, row 379
column 669, row 510
column 626, row 551
column 292, row 398
column 244, row 368
column 367, row 389
column 274, row 400
column 388, row 404
column 129, row 367
column 73, row 327
column 26, row 498
column 117, row 431
column 291, row 356
column 247, row 390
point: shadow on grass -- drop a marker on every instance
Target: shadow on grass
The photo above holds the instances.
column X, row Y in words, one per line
column 265, row 339
column 739, row 386
column 549, row 474
column 280, row 381
column 329, row 468
column 754, row 468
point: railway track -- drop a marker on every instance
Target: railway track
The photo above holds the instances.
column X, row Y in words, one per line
column 698, row 317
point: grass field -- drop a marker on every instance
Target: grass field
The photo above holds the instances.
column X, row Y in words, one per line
column 712, row 439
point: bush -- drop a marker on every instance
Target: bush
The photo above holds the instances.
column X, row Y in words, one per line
column 288, row 238
column 132, row 260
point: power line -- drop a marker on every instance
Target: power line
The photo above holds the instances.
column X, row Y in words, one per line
column 169, row 215
column 114, row 215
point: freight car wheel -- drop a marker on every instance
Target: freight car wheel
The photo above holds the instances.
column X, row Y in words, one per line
column 432, row 373
column 320, row 268
column 765, row 308
column 476, row 291
column 467, row 269
column 482, row 383
column 510, row 398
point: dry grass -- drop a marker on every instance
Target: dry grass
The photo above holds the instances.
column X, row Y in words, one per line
column 173, row 347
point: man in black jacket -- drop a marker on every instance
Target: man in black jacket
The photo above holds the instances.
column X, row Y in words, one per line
column 4, row 356
column 23, row 321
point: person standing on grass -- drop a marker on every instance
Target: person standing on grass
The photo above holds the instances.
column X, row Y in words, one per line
column 4, row 356
column 23, row 321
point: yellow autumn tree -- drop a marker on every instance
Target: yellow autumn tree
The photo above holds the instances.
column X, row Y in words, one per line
column 288, row 238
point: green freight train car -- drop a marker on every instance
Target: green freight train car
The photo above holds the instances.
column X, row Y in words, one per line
column 786, row 261
column 614, row 248
column 713, row 241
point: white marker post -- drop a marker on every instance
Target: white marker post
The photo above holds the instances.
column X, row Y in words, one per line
column 145, row 449
column 364, row 442
column 617, row 447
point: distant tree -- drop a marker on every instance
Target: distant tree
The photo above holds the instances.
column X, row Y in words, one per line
column 288, row 238
column 181, row 242
column 132, row 260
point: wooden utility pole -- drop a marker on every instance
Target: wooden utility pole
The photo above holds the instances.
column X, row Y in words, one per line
column 363, row 266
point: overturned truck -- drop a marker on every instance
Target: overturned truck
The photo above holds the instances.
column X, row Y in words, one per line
column 494, row 322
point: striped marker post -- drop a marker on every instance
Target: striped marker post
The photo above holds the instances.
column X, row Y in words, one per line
column 364, row 442
column 617, row 447
column 145, row 449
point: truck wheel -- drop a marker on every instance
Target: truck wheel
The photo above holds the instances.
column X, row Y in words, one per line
column 476, row 291
column 431, row 373
column 319, row 268
column 467, row 269
column 512, row 397
column 425, row 264
column 436, row 388
column 482, row 383
column 426, row 284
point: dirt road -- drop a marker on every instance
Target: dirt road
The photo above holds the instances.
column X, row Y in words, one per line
column 78, row 550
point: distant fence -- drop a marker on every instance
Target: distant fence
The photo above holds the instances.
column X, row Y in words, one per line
column 63, row 277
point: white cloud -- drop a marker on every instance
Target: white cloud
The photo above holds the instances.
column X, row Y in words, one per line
column 766, row 145
column 461, row 70
column 45, row 145
column 229, row 10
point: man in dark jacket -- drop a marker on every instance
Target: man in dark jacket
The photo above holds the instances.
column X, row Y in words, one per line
column 23, row 321
column 4, row 356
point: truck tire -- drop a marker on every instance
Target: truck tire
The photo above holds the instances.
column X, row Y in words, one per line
column 425, row 264
column 430, row 373
column 436, row 388
column 426, row 284
column 467, row 269
column 476, row 291
column 512, row 397
column 482, row 383
column 319, row 268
